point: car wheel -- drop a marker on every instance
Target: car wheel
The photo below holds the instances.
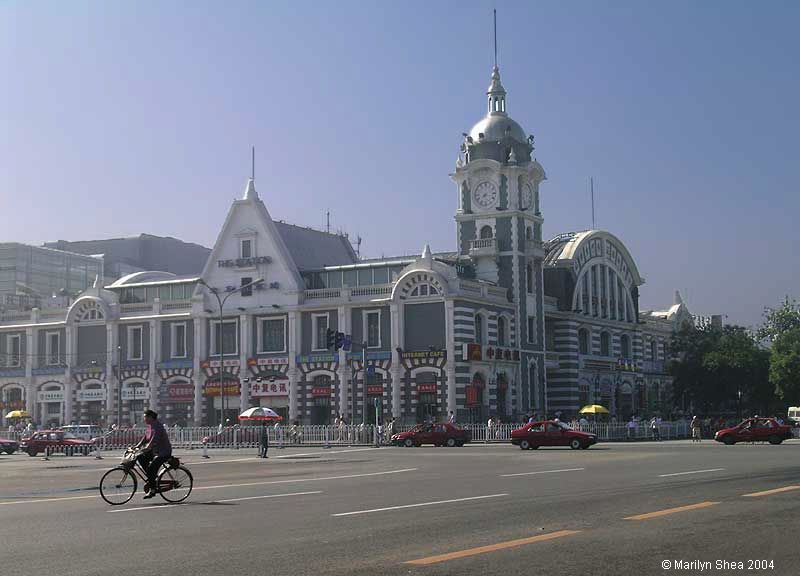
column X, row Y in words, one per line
column 524, row 445
column 451, row 442
column 32, row 452
column 575, row 444
column 728, row 441
column 775, row 439
column 409, row 443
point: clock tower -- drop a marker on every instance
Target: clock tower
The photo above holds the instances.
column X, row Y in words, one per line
column 499, row 225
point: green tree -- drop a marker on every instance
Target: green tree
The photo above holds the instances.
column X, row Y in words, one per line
column 784, row 366
column 778, row 320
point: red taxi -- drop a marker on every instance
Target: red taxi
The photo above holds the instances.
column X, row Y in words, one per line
column 550, row 433
column 443, row 434
column 57, row 441
column 755, row 430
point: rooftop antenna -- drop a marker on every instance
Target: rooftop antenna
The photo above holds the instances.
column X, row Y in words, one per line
column 495, row 37
column 591, row 185
column 358, row 246
column 328, row 215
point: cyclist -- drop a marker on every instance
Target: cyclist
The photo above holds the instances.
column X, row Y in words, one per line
column 156, row 449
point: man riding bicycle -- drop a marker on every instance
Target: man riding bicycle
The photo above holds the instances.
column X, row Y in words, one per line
column 156, row 450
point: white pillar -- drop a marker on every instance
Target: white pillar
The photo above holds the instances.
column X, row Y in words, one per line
column 607, row 276
column 197, row 375
column 111, row 380
column 619, row 296
column 344, row 369
column 397, row 367
column 590, row 285
column 293, row 330
column 244, row 370
column 31, row 347
column 450, row 367
column 71, row 361
column 155, row 354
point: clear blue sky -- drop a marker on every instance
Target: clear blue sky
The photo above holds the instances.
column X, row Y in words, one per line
column 118, row 118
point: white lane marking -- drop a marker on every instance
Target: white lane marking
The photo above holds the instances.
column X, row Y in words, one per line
column 690, row 472
column 418, row 505
column 292, row 481
column 326, row 452
column 270, row 496
column 138, row 508
column 227, row 486
column 542, row 472
column 47, row 500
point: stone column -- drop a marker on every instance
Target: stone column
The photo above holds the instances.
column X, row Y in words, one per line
column 607, row 276
column 155, row 357
column 244, row 352
column 397, row 367
column 197, row 375
column 293, row 336
column 71, row 361
column 31, row 347
column 450, row 367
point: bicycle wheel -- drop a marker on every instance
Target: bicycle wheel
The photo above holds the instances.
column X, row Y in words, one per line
column 175, row 484
column 117, row 486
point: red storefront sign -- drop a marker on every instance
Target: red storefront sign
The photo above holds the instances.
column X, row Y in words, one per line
column 374, row 389
column 322, row 391
column 230, row 389
column 474, row 352
column 180, row 392
column 258, row 389
column 426, row 388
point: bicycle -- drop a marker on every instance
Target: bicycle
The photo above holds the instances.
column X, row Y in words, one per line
column 117, row 486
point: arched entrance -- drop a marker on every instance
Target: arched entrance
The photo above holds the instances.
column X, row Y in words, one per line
column 90, row 403
column 427, row 399
column 50, row 405
column 135, row 398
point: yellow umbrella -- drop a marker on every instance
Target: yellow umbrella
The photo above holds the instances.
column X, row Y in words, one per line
column 594, row 409
column 18, row 414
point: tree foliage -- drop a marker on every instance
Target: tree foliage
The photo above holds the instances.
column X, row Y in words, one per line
column 779, row 320
column 784, row 368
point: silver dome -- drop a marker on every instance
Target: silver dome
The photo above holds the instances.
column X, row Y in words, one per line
column 495, row 127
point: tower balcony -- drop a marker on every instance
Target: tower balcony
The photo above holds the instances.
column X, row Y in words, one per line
column 483, row 247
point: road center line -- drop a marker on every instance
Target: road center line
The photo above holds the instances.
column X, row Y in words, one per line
column 690, row 472
column 295, row 480
column 770, row 492
column 668, row 511
column 491, row 548
column 159, row 507
column 541, row 472
column 418, row 505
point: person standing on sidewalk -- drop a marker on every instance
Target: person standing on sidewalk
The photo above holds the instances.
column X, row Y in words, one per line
column 279, row 434
column 696, row 426
column 655, row 429
column 631, row 428
column 264, row 441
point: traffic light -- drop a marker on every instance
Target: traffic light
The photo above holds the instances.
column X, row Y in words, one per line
column 339, row 340
column 330, row 338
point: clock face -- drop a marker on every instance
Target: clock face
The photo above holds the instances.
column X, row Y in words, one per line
column 485, row 194
column 526, row 200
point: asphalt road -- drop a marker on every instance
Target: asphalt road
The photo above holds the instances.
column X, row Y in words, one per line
column 612, row 509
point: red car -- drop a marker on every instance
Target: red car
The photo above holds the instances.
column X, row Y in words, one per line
column 550, row 433
column 444, row 434
column 57, row 441
column 755, row 430
column 8, row 446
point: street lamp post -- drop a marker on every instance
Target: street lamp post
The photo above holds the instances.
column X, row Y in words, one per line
column 739, row 404
column 221, row 303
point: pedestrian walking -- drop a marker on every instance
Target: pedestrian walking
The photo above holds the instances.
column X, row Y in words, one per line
column 451, row 418
column 279, row 434
column 264, row 441
column 655, row 428
column 631, row 428
column 696, row 426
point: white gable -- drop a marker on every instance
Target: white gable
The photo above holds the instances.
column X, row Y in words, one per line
column 249, row 220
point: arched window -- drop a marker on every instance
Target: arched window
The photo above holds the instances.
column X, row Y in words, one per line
column 501, row 331
column 479, row 329
column 486, row 232
column 583, row 340
column 424, row 290
column 625, row 346
column 529, row 278
column 605, row 348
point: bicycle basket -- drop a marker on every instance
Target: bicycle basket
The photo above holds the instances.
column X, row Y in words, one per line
column 129, row 458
